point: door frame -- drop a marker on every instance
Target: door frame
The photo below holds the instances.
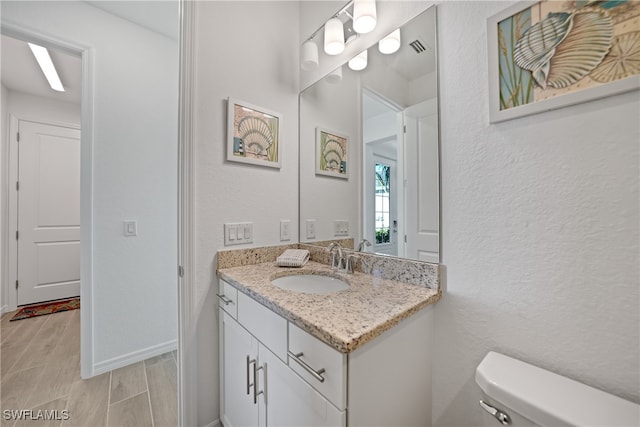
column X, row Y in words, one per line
column 187, row 342
column 11, row 164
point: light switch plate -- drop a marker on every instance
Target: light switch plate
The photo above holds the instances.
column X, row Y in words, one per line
column 311, row 229
column 130, row 228
column 340, row 228
column 285, row 230
column 238, row 233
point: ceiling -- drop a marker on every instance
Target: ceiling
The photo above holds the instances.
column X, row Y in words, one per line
column 20, row 72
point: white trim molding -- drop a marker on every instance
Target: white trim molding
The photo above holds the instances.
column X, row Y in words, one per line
column 187, row 376
column 134, row 356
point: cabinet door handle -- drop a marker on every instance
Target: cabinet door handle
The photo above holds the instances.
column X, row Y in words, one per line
column 249, row 362
column 256, row 393
column 224, row 299
column 316, row 374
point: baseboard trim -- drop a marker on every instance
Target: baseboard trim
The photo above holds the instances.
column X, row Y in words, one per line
column 215, row 423
column 4, row 309
column 133, row 357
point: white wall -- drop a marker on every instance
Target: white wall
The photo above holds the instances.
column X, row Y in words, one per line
column 243, row 50
column 4, row 132
column 325, row 198
column 540, row 226
column 134, row 173
column 31, row 107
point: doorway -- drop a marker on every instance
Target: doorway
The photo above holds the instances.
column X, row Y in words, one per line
column 383, row 193
column 42, row 160
column 47, row 212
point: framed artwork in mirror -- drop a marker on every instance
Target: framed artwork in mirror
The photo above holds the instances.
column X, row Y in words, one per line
column 332, row 149
column 545, row 55
column 253, row 134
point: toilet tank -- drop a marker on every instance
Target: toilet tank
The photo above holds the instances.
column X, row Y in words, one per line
column 534, row 396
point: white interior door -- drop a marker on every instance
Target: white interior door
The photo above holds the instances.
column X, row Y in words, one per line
column 48, row 212
column 421, row 178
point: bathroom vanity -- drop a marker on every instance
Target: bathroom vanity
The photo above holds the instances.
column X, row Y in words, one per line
column 357, row 357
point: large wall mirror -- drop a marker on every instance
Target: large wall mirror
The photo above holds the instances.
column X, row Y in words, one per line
column 377, row 130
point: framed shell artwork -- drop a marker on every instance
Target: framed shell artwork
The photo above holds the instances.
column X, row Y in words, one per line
column 545, row 55
column 253, row 134
column 332, row 149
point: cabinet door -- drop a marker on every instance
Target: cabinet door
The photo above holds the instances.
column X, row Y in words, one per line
column 290, row 401
column 236, row 374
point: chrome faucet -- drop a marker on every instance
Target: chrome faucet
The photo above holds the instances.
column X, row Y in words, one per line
column 334, row 249
column 364, row 243
column 341, row 260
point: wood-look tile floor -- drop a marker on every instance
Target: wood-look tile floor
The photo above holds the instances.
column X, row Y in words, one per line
column 40, row 371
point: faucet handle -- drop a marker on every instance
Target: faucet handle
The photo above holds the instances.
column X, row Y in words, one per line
column 351, row 260
column 363, row 244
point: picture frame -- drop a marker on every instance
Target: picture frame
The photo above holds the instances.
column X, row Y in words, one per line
column 515, row 91
column 253, row 134
column 332, row 151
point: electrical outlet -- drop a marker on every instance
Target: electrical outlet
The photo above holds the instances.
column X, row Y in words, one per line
column 311, row 229
column 340, row 228
column 285, row 226
column 238, row 233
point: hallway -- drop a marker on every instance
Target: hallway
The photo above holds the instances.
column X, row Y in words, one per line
column 40, row 370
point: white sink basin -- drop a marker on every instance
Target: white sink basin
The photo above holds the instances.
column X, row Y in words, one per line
column 311, row 283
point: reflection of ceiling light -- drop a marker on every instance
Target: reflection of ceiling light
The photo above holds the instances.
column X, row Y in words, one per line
column 390, row 43
column 364, row 16
column 333, row 37
column 359, row 62
column 309, row 56
column 46, row 65
column 335, row 76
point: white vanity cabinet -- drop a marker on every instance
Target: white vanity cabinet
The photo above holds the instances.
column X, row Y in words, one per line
column 257, row 388
column 274, row 374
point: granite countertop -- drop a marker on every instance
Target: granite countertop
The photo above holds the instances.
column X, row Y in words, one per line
column 344, row 320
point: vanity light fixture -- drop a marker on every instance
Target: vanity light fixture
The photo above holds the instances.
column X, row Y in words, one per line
column 47, row 67
column 390, row 43
column 359, row 62
column 333, row 37
column 364, row 16
column 335, row 76
column 309, row 56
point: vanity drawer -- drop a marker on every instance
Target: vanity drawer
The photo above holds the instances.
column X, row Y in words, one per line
column 228, row 299
column 323, row 367
column 268, row 327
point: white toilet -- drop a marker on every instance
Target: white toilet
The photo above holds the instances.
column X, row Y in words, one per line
column 520, row 394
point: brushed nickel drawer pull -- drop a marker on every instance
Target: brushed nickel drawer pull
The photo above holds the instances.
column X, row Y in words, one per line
column 224, row 299
column 316, row 374
column 249, row 384
column 256, row 393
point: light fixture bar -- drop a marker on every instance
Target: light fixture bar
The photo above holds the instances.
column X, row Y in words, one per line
column 47, row 67
column 335, row 15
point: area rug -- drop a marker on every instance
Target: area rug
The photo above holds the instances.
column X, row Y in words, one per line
column 50, row 307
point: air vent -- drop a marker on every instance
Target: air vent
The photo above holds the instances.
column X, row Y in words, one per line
column 417, row 46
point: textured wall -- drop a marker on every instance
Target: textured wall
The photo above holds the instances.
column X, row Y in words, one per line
column 325, row 198
column 243, row 50
column 540, row 226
